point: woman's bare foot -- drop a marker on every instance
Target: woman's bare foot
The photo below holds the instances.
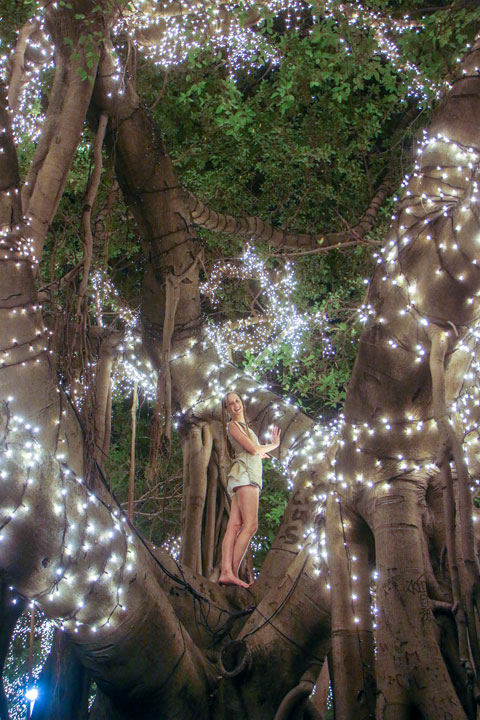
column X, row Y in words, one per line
column 227, row 579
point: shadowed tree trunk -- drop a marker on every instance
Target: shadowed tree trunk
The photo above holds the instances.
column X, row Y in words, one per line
column 64, row 684
column 11, row 607
column 422, row 287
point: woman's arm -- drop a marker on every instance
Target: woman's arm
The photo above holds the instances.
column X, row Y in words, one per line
column 247, row 443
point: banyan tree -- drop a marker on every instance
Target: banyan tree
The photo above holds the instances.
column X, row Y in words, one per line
column 148, row 151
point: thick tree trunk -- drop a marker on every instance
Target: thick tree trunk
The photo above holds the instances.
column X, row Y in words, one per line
column 77, row 52
column 159, row 206
column 353, row 672
column 427, row 279
column 286, row 636
column 410, row 669
column 96, row 578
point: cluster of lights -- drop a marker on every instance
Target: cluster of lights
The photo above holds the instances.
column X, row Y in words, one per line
column 167, row 36
column 19, row 687
column 28, row 119
column 106, row 302
column 384, row 30
column 94, row 535
column 278, row 322
column 453, row 193
column 447, row 185
column 17, row 245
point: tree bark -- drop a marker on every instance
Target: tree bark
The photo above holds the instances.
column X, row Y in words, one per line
column 255, row 228
column 389, row 442
column 103, row 593
column 10, row 204
column 68, row 103
column 353, row 673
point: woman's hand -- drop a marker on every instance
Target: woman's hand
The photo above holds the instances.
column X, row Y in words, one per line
column 276, row 436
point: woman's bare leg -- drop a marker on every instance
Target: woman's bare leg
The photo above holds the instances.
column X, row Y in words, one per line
column 234, row 526
column 247, row 498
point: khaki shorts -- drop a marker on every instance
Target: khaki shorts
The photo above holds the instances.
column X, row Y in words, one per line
column 233, row 483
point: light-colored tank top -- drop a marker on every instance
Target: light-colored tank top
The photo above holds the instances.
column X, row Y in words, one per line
column 246, row 469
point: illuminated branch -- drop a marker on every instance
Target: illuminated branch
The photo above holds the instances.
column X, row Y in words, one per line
column 16, row 65
column 10, row 205
column 175, row 9
column 254, row 227
column 87, row 209
column 95, row 551
column 427, row 277
column 68, row 104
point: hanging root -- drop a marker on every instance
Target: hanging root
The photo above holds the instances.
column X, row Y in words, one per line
column 197, row 452
column 234, row 659
column 297, row 696
column 464, row 574
column 352, row 651
column 160, row 428
column 208, row 545
column 87, row 208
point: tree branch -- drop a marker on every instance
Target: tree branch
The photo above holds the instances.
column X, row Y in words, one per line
column 255, row 228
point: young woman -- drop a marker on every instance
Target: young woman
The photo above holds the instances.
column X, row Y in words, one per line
column 244, row 482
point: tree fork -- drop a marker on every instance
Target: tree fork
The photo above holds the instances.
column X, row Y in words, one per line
column 68, row 104
column 287, row 634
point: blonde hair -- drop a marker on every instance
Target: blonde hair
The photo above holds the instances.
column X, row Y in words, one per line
column 225, row 419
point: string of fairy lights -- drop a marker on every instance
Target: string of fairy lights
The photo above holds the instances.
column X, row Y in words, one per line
column 385, row 30
column 19, row 686
column 275, row 319
column 166, row 36
column 95, row 536
column 98, row 551
column 454, row 192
